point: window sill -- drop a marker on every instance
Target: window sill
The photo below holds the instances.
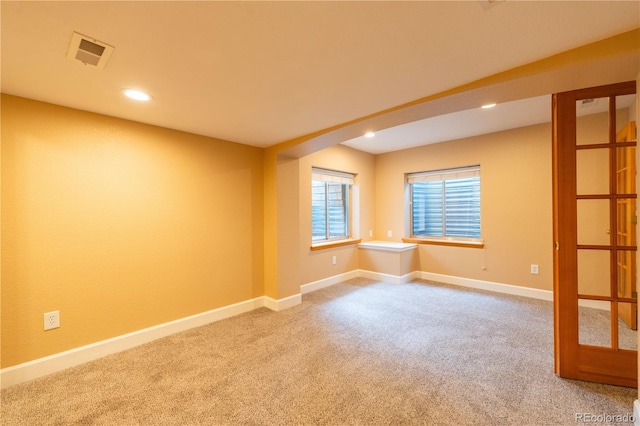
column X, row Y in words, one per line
column 452, row 243
column 333, row 244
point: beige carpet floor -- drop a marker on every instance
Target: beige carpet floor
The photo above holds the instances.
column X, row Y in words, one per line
column 357, row 353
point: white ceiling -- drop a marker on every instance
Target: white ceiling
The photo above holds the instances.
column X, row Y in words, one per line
column 261, row 73
column 473, row 122
column 457, row 125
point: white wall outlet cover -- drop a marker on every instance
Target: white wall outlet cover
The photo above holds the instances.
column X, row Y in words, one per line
column 51, row 320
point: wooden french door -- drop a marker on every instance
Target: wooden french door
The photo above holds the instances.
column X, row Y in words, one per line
column 594, row 230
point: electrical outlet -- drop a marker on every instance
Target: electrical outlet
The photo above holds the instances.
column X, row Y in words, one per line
column 334, row 260
column 535, row 269
column 371, row 232
column 51, row 320
column 389, row 233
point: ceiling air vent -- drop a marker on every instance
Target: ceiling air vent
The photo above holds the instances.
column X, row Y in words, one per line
column 89, row 51
column 590, row 104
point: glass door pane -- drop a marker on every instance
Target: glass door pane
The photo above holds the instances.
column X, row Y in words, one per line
column 627, row 336
column 592, row 171
column 592, row 121
column 625, row 107
column 594, row 273
column 593, row 222
column 625, row 273
column 594, row 323
column 625, row 170
column 626, row 221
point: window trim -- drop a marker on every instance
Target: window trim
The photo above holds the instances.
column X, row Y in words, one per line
column 439, row 175
column 446, row 242
column 344, row 178
column 334, row 243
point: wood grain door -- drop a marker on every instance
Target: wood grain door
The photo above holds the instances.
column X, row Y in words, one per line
column 594, row 210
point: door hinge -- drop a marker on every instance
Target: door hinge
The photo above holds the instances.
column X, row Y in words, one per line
column 557, row 245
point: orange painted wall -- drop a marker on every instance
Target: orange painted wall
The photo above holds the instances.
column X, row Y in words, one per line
column 119, row 226
column 516, row 215
column 317, row 265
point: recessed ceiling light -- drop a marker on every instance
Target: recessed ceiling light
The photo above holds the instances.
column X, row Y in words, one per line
column 369, row 135
column 487, row 106
column 137, row 95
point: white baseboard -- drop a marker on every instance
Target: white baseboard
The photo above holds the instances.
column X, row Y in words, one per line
column 280, row 304
column 447, row 279
column 595, row 304
column 393, row 279
column 40, row 367
column 490, row 286
column 43, row 366
column 509, row 289
column 327, row 282
column 636, row 413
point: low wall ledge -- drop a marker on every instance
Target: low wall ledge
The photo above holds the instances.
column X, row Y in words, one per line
column 387, row 246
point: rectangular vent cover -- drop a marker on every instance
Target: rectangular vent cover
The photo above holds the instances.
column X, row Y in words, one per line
column 89, row 51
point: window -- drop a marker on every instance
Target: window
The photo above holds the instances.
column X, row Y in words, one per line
column 330, row 203
column 445, row 204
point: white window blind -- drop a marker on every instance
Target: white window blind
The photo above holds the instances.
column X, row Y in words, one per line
column 445, row 203
column 446, row 174
column 332, row 176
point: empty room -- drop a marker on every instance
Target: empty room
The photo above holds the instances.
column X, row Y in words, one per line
column 319, row 212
